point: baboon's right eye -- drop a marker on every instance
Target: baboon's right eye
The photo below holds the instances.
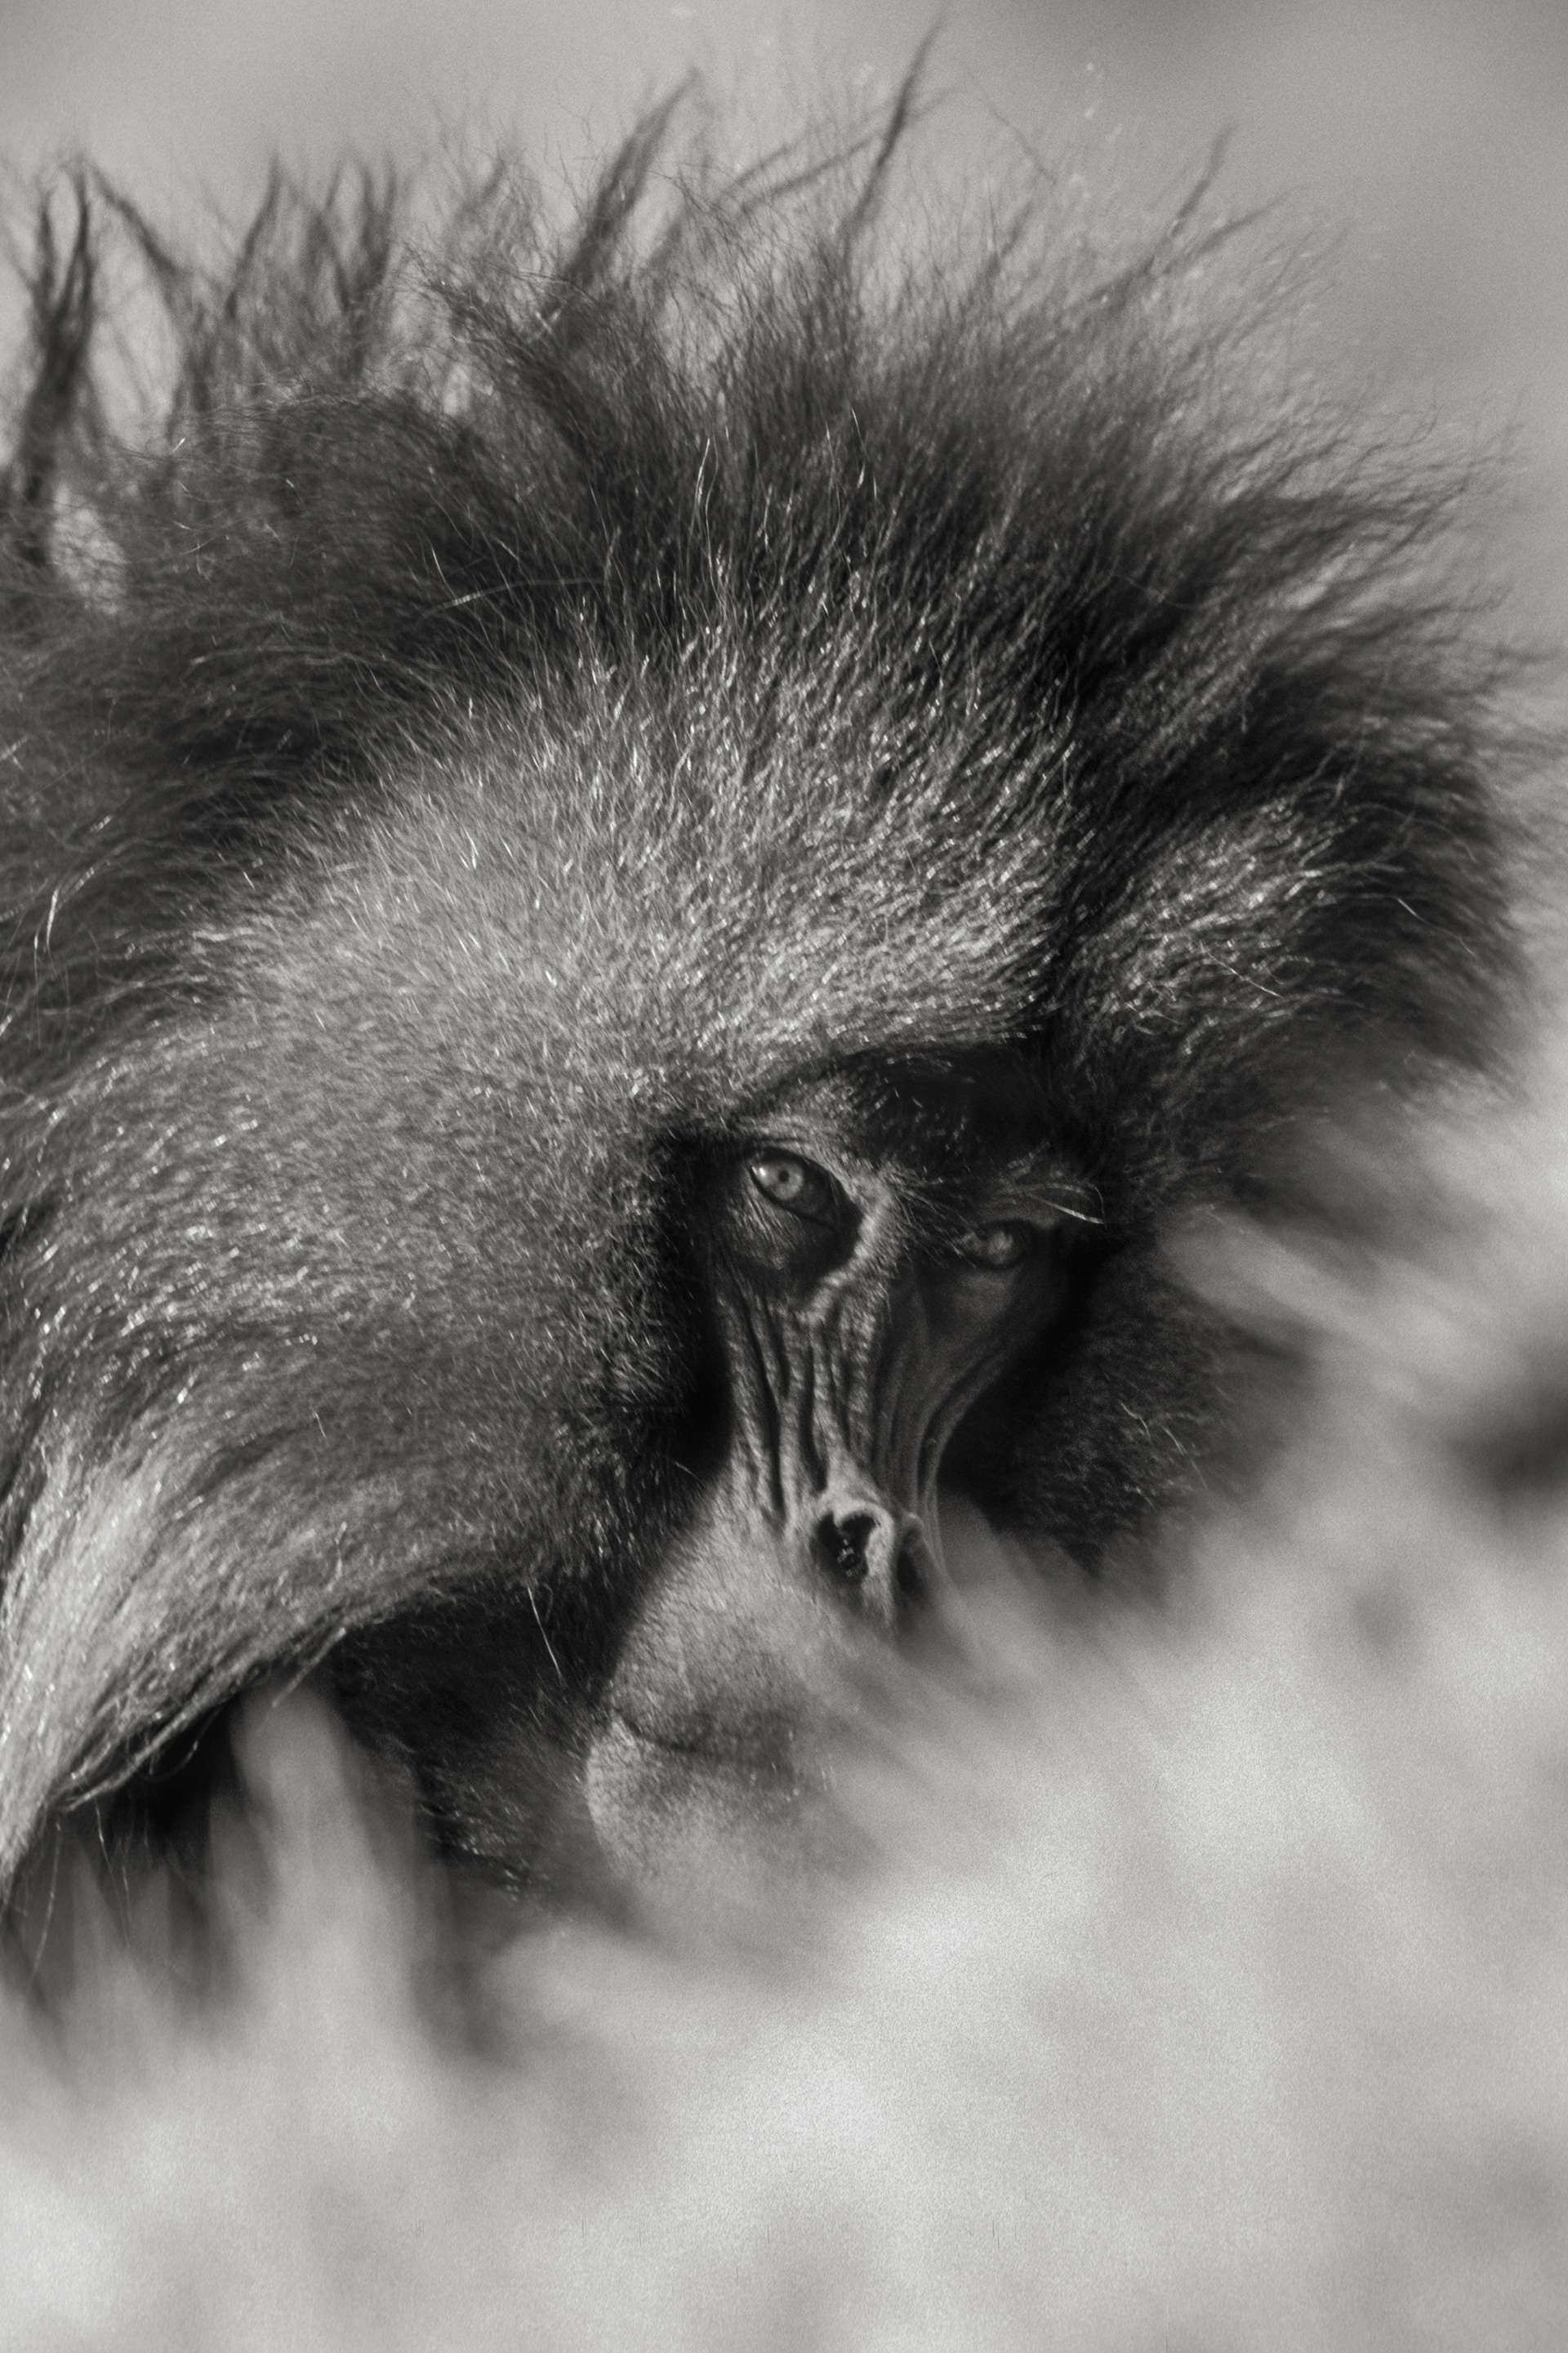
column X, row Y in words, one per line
column 793, row 1184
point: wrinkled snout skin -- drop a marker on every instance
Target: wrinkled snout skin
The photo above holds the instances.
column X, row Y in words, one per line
column 745, row 1660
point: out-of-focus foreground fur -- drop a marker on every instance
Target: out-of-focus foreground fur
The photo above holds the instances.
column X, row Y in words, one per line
column 1196, row 1971
column 1203, row 1984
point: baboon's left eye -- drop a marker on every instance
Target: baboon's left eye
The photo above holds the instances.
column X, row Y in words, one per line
column 996, row 1248
column 790, row 1183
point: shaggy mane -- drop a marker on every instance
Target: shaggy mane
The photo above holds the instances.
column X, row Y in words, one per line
column 842, row 650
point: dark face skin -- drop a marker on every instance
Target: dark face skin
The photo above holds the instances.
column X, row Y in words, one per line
column 875, row 1257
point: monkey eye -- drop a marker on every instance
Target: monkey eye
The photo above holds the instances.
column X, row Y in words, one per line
column 793, row 1184
column 996, row 1248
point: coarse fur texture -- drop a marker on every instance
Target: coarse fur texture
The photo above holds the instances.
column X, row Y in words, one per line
column 514, row 713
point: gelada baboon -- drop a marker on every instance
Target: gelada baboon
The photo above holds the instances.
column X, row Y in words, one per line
column 642, row 865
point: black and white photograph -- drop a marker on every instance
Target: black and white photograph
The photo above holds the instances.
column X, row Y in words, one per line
column 783, row 1176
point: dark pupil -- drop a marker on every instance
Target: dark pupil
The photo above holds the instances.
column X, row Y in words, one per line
column 785, row 1181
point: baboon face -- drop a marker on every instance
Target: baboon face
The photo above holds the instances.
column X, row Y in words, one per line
column 859, row 1262
column 875, row 1252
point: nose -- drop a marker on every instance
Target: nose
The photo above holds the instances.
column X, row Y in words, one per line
column 876, row 1556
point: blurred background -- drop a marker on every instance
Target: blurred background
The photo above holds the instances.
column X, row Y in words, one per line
column 1418, row 144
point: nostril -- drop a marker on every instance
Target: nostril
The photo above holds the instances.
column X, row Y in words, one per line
column 845, row 1543
column 909, row 1577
